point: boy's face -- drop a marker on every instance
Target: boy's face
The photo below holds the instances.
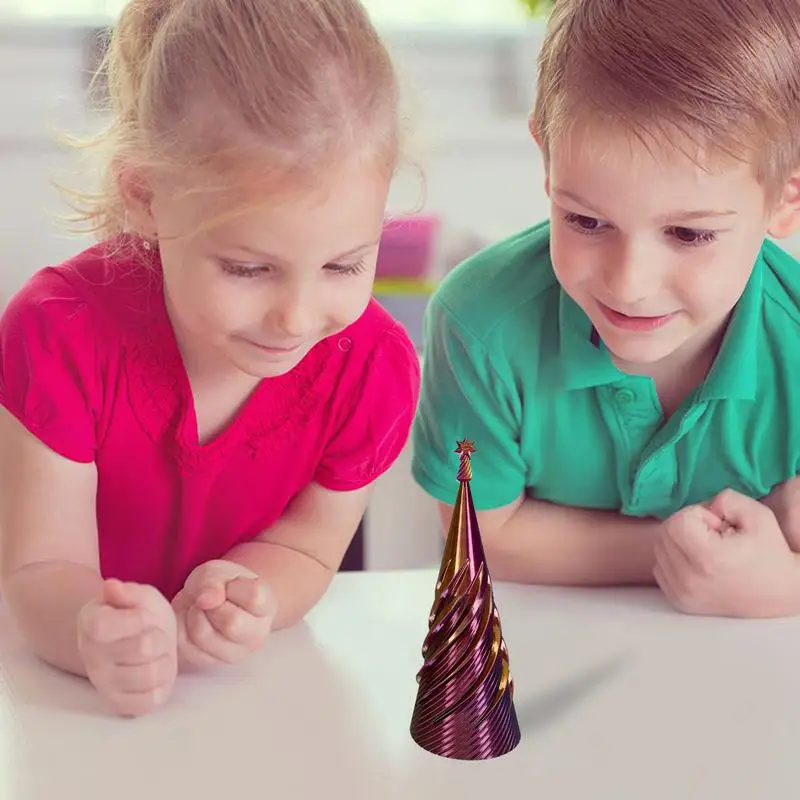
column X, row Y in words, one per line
column 654, row 249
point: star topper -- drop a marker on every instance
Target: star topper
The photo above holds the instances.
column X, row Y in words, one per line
column 465, row 447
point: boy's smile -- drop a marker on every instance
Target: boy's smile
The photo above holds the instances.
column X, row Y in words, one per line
column 637, row 323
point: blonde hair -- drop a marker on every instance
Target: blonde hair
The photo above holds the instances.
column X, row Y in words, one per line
column 240, row 90
column 722, row 76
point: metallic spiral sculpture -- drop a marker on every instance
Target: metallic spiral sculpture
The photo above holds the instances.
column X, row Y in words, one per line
column 464, row 708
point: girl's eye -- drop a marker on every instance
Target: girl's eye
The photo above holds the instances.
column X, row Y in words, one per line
column 258, row 270
column 347, row 269
column 692, row 237
column 583, row 224
column 243, row 270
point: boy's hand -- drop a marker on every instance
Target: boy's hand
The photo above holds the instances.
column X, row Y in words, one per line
column 224, row 612
column 128, row 641
column 728, row 559
column 784, row 500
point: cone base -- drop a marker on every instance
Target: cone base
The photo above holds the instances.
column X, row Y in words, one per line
column 455, row 754
column 462, row 740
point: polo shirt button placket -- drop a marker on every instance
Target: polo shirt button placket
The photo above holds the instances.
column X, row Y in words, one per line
column 624, row 396
column 641, row 490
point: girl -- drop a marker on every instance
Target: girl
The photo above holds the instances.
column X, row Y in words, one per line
column 195, row 409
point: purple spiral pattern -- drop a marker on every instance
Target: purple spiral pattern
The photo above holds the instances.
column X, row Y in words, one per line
column 464, row 707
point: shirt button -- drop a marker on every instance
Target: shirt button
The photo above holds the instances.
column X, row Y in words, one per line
column 345, row 344
column 624, row 396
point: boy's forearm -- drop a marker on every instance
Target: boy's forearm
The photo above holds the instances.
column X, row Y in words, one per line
column 560, row 545
column 44, row 600
column 298, row 580
column 787, row 603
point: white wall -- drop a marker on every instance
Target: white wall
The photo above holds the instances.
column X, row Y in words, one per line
column 39, row 84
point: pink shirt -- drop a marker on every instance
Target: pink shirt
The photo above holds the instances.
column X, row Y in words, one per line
column 90, row 365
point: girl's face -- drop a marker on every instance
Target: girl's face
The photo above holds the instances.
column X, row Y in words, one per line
column 259, row 290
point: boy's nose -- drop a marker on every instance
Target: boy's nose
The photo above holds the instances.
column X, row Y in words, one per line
column 629, row 279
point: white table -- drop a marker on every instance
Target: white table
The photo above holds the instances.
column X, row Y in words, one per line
column 618, row 698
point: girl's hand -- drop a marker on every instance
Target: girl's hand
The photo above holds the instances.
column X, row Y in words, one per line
column 129, row 644
column 224, row 613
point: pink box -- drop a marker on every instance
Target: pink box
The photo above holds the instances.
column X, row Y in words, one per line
column 408, row 245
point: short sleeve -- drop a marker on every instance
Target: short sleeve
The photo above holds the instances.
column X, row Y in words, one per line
column 464, row 396
column 47, row 365
column 377, row 422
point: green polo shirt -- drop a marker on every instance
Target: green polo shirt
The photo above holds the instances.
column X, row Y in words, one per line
column 509, row 362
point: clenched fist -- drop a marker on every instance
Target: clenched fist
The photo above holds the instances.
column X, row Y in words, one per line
column 729, row 558
column 129, row 644
column 224, row 612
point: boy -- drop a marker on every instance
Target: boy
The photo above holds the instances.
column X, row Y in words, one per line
column 628, row 368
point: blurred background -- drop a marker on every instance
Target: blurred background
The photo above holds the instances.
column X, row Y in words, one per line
column 468, row 70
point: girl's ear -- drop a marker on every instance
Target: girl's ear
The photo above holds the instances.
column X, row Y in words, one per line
column 137, row 196
column 785, row 218
column 534, row 131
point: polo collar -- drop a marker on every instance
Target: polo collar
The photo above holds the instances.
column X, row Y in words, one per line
column 734, row 373
column 583, row 358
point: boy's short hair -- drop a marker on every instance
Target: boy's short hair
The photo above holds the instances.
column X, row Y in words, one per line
column 722, row 75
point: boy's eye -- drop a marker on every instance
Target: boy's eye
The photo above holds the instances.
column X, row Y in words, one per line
column 583, row 223
column 692, row 236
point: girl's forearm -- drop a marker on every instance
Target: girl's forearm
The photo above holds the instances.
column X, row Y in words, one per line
column 44, row 600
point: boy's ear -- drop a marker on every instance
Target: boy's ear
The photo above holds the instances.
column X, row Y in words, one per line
column 785, row 218
column 534, row 131
column 137, row 196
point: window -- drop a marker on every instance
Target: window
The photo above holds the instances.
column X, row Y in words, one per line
column 386, row 13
